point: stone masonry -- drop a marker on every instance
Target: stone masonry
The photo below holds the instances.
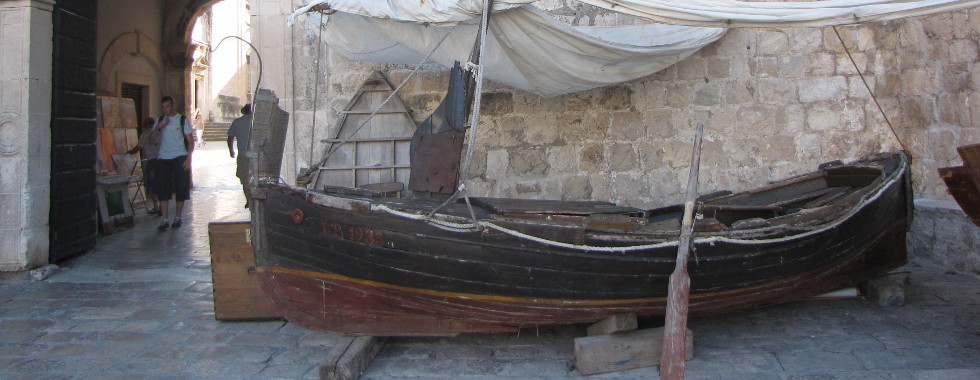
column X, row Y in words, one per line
column 942, row 225
column 775, row 102
column 25, row 133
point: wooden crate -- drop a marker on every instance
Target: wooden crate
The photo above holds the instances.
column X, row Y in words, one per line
column 237, row 293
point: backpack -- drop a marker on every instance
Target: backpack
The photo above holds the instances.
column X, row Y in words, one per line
column 183, row 119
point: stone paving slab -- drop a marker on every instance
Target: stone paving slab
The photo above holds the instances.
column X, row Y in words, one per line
column 139, row 306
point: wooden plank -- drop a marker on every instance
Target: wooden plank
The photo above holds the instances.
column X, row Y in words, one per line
column 385, row 187
column 971, row 160
column 614, row 324
column 779, row 190
column 964, row 191
column 370, row 190
column 350, row 357
column 851, row 180
column 620, row 352
column 829, row 197
column 367, row 139
column 372, row 167
column 370, row 112
column 544, row 206
column 731, row 214
column 237, row 293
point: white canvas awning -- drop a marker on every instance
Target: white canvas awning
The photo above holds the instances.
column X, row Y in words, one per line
column 427, row 11
column 529, row 50
column 719, row 13
column 526, row 49
column 734, row 13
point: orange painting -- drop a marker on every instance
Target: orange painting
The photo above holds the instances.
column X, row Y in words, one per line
column 115, row 112
column 116, row 118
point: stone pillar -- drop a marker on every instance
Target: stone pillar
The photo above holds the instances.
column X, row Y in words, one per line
column 25, row 132
column 177, row 75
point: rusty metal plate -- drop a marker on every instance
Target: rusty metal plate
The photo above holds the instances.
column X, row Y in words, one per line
column 971, row 161
column 963, row 190
column 435, row 162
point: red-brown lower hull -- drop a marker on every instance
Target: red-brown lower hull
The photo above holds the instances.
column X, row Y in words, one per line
column 330, row 302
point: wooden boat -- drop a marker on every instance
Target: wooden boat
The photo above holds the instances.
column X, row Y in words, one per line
column 963, row 182
column 355, row 263
column 360, row 261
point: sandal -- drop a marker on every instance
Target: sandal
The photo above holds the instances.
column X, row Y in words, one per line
column 153, row 211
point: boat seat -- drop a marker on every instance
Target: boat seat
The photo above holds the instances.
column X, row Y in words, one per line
column 729, row 214
column 384, row 189
column 852, row 176
column 528, row 207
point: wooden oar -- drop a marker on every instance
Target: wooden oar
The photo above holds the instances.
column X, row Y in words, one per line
column 675, row 325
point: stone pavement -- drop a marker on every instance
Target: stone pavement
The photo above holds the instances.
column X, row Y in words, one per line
column 140, row 307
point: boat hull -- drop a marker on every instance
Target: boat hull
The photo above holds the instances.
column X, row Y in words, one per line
column 357, row 270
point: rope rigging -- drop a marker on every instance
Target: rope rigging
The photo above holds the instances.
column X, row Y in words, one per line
column 473, row 65
column 867, row 86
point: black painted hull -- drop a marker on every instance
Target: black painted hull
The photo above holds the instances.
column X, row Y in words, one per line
column 337, row 264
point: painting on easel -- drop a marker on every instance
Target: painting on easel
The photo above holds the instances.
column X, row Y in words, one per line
column 116, row 119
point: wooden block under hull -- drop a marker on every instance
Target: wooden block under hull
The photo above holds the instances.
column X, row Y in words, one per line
column 615, row 324
column 237, row 293
column 350, row 357
column 620, row 352
column 888, row 290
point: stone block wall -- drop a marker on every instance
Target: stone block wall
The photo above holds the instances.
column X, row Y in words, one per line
column 774, row 102
column 943, row 234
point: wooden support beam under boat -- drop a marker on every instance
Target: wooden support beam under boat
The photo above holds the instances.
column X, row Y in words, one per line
column 887, row 290
column 350, row 357
column 624, row 351
column 614, row 324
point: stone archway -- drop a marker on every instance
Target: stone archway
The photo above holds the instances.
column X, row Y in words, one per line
column 178, row 50
column 132, row 46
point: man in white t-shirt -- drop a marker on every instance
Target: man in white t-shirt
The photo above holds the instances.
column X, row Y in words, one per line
column 173, row 162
